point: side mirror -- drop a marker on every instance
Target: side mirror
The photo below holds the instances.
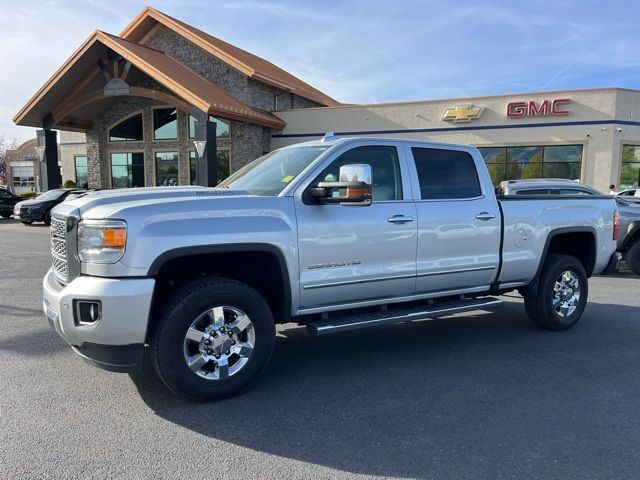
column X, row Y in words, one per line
column 353, row 187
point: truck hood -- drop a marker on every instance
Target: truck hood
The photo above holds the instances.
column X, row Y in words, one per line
column 105, row 203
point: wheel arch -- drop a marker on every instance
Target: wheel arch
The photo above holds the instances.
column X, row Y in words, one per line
column 273, row 282
column 566, row 240
column 632, row 236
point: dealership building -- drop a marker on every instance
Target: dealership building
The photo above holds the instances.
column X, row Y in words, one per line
column 164, row 103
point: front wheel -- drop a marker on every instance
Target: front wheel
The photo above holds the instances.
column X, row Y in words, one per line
column 47, row 218
column 5, row 214
column 562, row 294
column 214, row 337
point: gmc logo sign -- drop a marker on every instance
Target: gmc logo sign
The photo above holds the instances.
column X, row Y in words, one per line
column 533, row 109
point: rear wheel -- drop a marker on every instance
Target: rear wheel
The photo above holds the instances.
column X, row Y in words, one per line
column 562, row 294
column 632, row 257
column 214, row 337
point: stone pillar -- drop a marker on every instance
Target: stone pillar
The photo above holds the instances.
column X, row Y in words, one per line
column 50, row 177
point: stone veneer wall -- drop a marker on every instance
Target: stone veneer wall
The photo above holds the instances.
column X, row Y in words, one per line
column 246, row 142
column 99, row 148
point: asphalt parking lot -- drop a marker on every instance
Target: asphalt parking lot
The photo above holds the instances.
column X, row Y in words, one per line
column 473, row 396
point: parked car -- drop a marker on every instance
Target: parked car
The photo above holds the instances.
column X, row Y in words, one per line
column 39, row 209
column 628, row 243
column 631, row 195
column 630, row 192
column 7, row 202
column 545, row 186
column 338, row 234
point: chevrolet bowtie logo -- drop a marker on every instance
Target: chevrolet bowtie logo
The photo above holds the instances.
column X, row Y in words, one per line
column 462, row 113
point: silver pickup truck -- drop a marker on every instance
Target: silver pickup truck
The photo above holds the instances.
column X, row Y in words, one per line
column 336, row 234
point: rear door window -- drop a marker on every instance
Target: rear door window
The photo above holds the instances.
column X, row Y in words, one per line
column 446, row 174
column 572, row 191
column 534, row 191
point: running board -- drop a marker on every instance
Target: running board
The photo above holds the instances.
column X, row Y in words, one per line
column 388, row 317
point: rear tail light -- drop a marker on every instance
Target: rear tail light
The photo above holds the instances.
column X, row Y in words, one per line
column 616, row 224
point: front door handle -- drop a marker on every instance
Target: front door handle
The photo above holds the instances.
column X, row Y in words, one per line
column 399, row 219
column 485, row 216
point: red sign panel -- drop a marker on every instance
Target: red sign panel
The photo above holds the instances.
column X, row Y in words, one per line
column 534, row 109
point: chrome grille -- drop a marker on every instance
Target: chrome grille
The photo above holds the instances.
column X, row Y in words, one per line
column 59, row 248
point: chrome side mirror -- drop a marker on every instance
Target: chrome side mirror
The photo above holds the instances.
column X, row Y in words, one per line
column 353, row 187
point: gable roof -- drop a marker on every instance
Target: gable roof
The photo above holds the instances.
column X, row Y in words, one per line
column 248, row 63
column 170, row 73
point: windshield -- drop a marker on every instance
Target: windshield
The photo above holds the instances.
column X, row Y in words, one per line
column 269, row 174
column 50, row 195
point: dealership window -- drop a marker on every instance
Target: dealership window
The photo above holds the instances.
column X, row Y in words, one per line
column 23, row 179
column 222, row 127
column 165, row 124
column 446, row 174
column 166, row 169
column 129, row 129
column 82, row 170
column 630, row 168
column 193, row 168
column 223, row 166
column 127, row 169
column 512, row 163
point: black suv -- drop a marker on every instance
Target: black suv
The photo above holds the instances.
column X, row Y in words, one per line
column 39, row 209
column 7, row 202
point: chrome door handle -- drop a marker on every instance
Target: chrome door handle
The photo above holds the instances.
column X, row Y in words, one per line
column 485, row 216
column 399, row 219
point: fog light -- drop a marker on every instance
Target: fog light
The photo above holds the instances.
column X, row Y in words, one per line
column 87, row 312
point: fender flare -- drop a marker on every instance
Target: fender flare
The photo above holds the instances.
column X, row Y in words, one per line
column 165, row 257
column 631, row 236
column 532, row 287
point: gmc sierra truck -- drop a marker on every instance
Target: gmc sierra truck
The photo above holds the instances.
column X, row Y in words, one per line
column 335, row 234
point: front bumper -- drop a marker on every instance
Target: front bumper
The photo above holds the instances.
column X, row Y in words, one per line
column 28, row 216
column 612, row 266
column 116, row 341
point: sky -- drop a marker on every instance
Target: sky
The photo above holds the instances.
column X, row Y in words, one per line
column 357, row 51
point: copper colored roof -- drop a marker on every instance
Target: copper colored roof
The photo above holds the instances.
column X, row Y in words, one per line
column 173, row 75
column 248, row 63
column 192, row 87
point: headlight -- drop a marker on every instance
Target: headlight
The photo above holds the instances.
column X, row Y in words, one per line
column 101, row 241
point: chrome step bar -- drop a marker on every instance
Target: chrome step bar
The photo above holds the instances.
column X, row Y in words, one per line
column 355, row 321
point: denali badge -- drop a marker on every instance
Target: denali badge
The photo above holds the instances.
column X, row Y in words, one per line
column 334, row 264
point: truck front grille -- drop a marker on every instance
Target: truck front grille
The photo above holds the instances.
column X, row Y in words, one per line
column 59, row 248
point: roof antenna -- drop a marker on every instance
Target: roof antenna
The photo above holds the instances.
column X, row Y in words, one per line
column 329, row 136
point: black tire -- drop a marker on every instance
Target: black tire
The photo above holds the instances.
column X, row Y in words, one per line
column 632, row 257
column 540, row 307
column 47, row 217
column 25, row 222
column 187, row 304
column 5, row 214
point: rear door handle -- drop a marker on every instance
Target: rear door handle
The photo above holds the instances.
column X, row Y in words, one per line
column 485, row 216
column 399, row 219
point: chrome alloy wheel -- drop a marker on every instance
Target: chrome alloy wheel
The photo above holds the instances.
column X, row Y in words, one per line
column 566, row 293
column 219, row 343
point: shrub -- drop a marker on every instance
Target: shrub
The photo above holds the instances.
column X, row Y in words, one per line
column 28, row 195
column 69, row 184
